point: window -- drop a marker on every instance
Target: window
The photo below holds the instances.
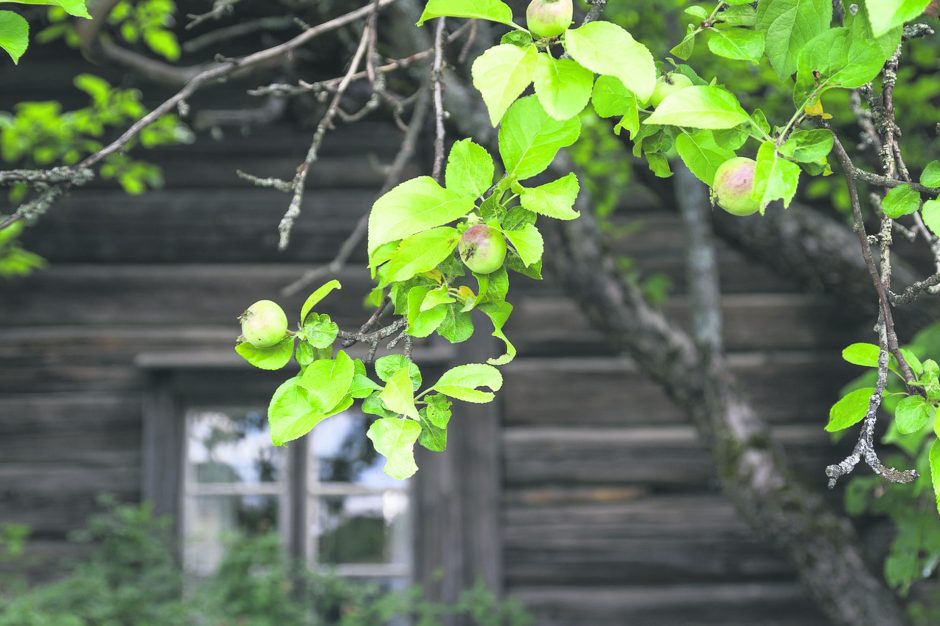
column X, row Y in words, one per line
column 235, row 482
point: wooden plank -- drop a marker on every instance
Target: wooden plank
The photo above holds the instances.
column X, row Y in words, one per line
column 753, row 604
column 195, row 225
column 648, row 539
column 163, row 442
column 610, row 391
column 665, row 458
column 42, row 414
column 758, row 321
column 166, row 295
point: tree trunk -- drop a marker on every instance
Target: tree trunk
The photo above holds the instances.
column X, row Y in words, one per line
column 822, row 254
column 820, row 544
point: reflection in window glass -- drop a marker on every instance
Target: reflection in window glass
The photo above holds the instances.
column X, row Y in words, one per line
column 343, row 454
column 214, row 521
column 363, row 529
column 236, row 483
column 233, row 447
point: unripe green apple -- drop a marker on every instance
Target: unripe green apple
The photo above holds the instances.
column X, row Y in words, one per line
column 549, row 18
column 264, row 324
column 734, row 186
column 482, row 249
column 669, row 84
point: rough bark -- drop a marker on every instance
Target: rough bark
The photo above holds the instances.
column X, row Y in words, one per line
column 822, row 254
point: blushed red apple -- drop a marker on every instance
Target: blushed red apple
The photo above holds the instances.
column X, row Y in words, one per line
column 482, row 249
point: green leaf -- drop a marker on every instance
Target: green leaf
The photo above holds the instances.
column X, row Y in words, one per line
column 787, row 26
column 901, row 201
column 808, row 146
column 686, row 47
column 423, row 323
column 464, row 381
column 295, row 410
column 699, row 106
column 398, row 394
column 75, row 8
column 740, row 15
column 775, row 178
column 470, row 169
column 501, row 74
column 738, row 44
column 562, row 86
column 329, row 380
column 493, row 10
column 835, row 58
column 611, row 98
column 930, row 177
column 529, row 138
column 362, row 386
column 912, row 414
column 395, row 438
column 935, row 469
column 14, row 34
column 850, row 410
column 605, row 48
column 860, row 26
column 528, row 243
column 432, row 437
column 421, row 253
column 457, row 326
column 701, row 154
column 864, row 354
column 499, row 313
column 887, row 14
column 435, row 297
column 388, row 366
column 316, row 297
column 273, row 358
column 555, row 199
column 931, row 214
column 438, row 409
column 320, row 331
column 412, row 207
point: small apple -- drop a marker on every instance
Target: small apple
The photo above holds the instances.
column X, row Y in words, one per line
column 734, row 186
column 669, row 84
column 482, row 249
column 264, row 324
column 549, row 18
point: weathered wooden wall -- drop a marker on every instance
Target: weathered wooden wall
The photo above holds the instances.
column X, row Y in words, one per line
column 610, row 511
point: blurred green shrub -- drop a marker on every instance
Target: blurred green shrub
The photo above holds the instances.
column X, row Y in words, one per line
column 130, row 578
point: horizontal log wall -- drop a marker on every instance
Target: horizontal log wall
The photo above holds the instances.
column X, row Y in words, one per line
column 610, row 509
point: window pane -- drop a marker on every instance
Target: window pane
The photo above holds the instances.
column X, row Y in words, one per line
column 232, row 446
column 363, row 529
column 343, row 454
column 213, row 521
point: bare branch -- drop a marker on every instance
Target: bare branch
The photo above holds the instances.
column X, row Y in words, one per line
column 313, row 153
column 208, row 76
column 437, row 83
column 395, row 174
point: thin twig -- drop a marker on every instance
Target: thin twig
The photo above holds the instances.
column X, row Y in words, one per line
column 313, row 153
column 395, row 173
column 437, row 83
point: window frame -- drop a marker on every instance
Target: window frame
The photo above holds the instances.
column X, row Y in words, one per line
column 454, row 501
